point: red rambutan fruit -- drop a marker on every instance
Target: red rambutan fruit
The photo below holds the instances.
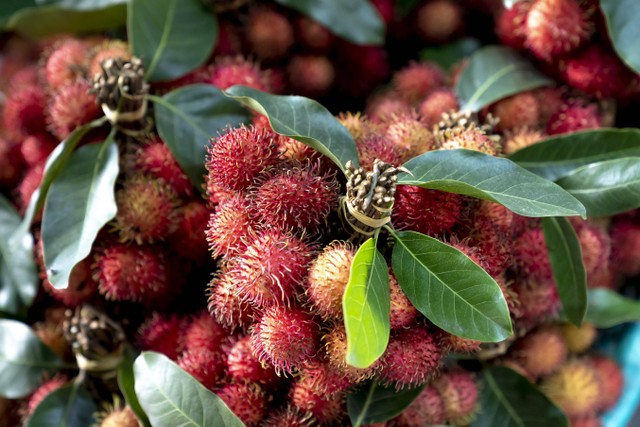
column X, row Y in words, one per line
column 457, row 344
column 537, row 300
column 154, row 158
column 270, row 34
column 439, row 20
column 625, row 247
column 310, row 75
column 66, row 63
column 595, row 244
column 239, row 156
column 243, row 364
column 556, row 27
column 36, row 148
column 45, row 389
column 491, row 244
column 107, row 50
column 206, row 366
column 416, row 80
column 225, row 304
column 81, row 287
column 410, row 134
column 574, row 117
column 471, row 138
column 163, row 334
column 402, row 312
column 431, row 212
column 30, row 182
column 231, row 71
column 71, row 106
column 335, row 343
column 326, row 410
column 531, row 255
column 147, row 210
column 189, row 239
column 130, row 272
column 511, row 24
column 247, row 400
column 289, row 416
column 575, row 388
column 313, row 35
column 426, row 409
column 24, row 112
column 374, row 147
column 459, row 392
column 611, row 380
column 322, row 378
column 229, row 227
column 519, row 138
column 438, row 101
column 578, row 339
column 541, row 352
column 204, row 332
column 516, row 111
column 412, row 358
column 26, row 76
column 285, row 337
column 359, row 125
column 383, row 106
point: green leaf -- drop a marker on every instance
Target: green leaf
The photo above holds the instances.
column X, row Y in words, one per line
column 374, row 403
column 189, row 117
column 69, row 406
column 493, row 73
column 302, row 119
column 9, row 7
column 172, row 37
column 18, row 276
column 608, row 308
column 508, row 399
column 558, row 155
column 622, row 18
column 606, row 188
column 80, row 202
column 126, row 383
column 452, row 291
column 354, row 20
column 366, row 304
column 491, row 178
column 448, row 55
column 171, row 397
column 565, row 255
column 24, row 360
column 44, row 21
column 81, row 4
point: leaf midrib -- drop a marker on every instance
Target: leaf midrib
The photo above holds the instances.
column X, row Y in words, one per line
column 502, row 399
column 164, row 38
column 484, row 87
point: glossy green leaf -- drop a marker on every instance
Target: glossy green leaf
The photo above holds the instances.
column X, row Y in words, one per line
column 366, row 304
column 449, row 54
column 491, row 178
column 493, row 73
column 608, row 308
column 24, row 360
column 9, row 7
column 354, row 20
column 565, row 255
column 44, row 21
column 558, row 155
column 452, row 291
column 81, row 201
column 374, row 403
column 18, row 275
column 172, row 37
column 171, row 397
column 82, row 4
column 69, row 406
column 126, row 383
column 508, row 399
column 606, row 188
column 622, row 17
column 187, row 118
column 302, row 119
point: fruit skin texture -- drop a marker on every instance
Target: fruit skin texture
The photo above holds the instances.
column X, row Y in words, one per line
column 625, row 245
column 511, row 24
column 231, row 71
column 229, row 227
column 531, row 255
column 439, row 20
column 575, row 388
column 71, row 107
column 402, row 313
column 574, row 117
column 247, row 400
column 426, row 409
column 24, row 112
column 517, row 110
column 206, row 366
column 243, row 364
column 163, row 334
column 225, row 304
column 414, row 82
column 459, row 392
column 441, row 100
column 120, row 418
column 155, row 158
column 67, row 62
column 310, row 75
column 541, row 352
column 430, row 212
column 326, row 410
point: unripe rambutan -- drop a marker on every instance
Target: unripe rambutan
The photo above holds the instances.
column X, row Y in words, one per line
column 107, row 50
column 431, row 212
column 439, row 20
column 438, row 101
column 237, row 157
column 516, row 111
column 459, row 392
column 537, row 299
column 578, row 339
column 71, row 106
column 81, row 287
column 130, row 272
column 556, row 27
column 625, row 247
column 285, row 337
column 243, row 364
column 289, row 416
column 147, row 210
column 426, row 409
column 229, row 227
column 205, row 333
column 611, row 380
column 164, row 334
column 359, row 125
column 412, row 358
column 335, row 342
column 66, row 63
column 225, row 304
column 310, row 75
column 313, row 35
column 30, row 182
column 231, row 71
column 402, row 312
column 575, row 388
column 247, row 400
column 154, row 158
column 531, row 255
column 541, row 352
column 269, row 33
column 520, row 138
column 206, row 366
column 326, row 410
column 416, row 80
column 384, row 106
column 24, row 112
column 36, row 148
column 294, row 196
column 120, row 417
column 45, row 389
column 511, row 24
column 574, row 117
column 189, row 240
column 410, row 134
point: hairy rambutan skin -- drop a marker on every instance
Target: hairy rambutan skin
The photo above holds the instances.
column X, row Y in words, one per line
column 556, row 27
column 243, row 364
column 459, row 392
column 538, row 300
column 310, row 75
column 164, row 334
column 439, row 20
column 11, row 163
column 326, row 410
column 541, row 352
column 409, row 134
column 24, row 112
column 625, row 247
column 107, row 50
column 188, row 239
column 431, row 212
column 574, row 117
column 66, row 63
column 438, row 101
column 269, row 33
column 456, row 344
column 335, row 344
column 225, row 303
column 239, row 156
column 204, row 332
column 518, row 110
column 72, row 106
column 384, row 106
column 81, row 287
column 511, row 24
column 289, row 416
column 322, row 378
column 231, row 71
column 247, row 400
column 229, row 227
column 45, row 389
column 611, row 380
column 531, row 255
column 359, row 125
column 595, row 244
column 154, row 158
column 285, row 337
column 402, row 313
column 374, row 147
column 412, row 358
column 206, row 366
column 414, row 82
column 426, row 409
column 575, row 388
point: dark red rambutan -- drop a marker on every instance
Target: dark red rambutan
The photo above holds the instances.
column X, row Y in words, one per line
column 243, row 364
column 374, row 147
column 611, row 380
column 71, row 106
column 437, row 102
column 107, row 50
column 45, row 389
column 206, row 366
column 310, row 75
column 412, row 358
column 511, row 24
column 335, row 343
column 269, row 33
column 459, row 392
column 285, row 337
column 439, row 20
column 426, row 409
column 313, row 35
column 247, row 400
column 118, row 416
column 540, row 352
column 81, row 287
column 229, row 227
column 289, row 416
column 537, row 300
column 369, row 63
column 326, row 410
column 225, row 303
column 402, row 312
column 239, row 156
column 625, row 247
column 574, row 117
column 189, row 239
column 154, row 158
column 231, row 71
column 204, row 332
column 518, row 110
column 147, row 210
column 30, row 182
column 164, row 334
column 416, row 80
column 431, row 212
column 24, row 112
column 36, row 148
column 130, row 272
column 11, row 164
column 67, row 62
column 531, row 256
column 556, row 27
column 491, row 235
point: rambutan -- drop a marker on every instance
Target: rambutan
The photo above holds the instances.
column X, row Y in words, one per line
column 335, row 342
column 402, row 312
column 459, row 392
column 519, row 138
column 611, row 380
column 289, row 416
column 204, row 332
column 229, row 227
column 439, row 20
column 118, row 416
column 531, row 255
column 66, row 63
column 556, row 27
column 285, row 337
column 575, row 388
column 471, row 138
column 71, row 106
column 359, row 125
column 243, row 364
column 231, row 71
column 310, row 75
column 206, row 366
column 431, row 212
column 412, row 358
column 154, row 158
column 410, row 134
column 491, row 243
column 438, row 101
column 374, row 147
column 107, row 50
column 511, row 24
column 239, row 156
column 537, row 300
column 369, row 63
column 326, row 410
column 518, row 110
column 30, row 182
column 147, row 210
column 578, row 339
column 550, row 100
column 313, row 35
column 164, row 334
column 45, row 389
column 24, row 112
column 574, row 117
column 541, row 352
column 189, row 240
column 457, row 344
column 625, row 247
column 595, row 244
column 385, row 105
column 426, row 409
column 81, row 287
column 416, row 80
column 247, row 400
column 322, row 378
column 269, row 33
column 225, row 304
